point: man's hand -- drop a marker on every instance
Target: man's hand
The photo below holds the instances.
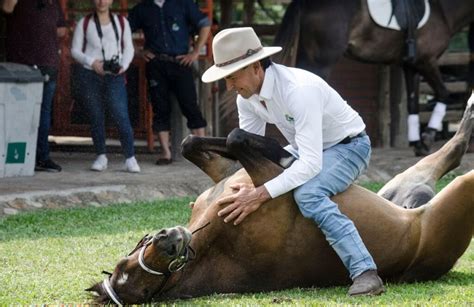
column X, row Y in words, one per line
column 98, row 67
column 246, row 200
column 147, row 55
column 188, row 59
column 8, row 6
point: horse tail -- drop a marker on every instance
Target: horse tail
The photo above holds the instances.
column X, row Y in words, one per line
column 288, row 34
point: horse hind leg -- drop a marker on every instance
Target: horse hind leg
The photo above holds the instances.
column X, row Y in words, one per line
column 415, row 186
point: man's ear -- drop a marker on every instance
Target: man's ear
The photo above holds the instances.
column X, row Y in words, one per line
column 256, row 66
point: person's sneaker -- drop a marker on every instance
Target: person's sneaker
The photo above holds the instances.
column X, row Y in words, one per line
column 47, row 166
column 131, row 165
column 100, row 163
column 367, row 283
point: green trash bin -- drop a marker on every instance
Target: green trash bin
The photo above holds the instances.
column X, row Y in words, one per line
column 21, row 92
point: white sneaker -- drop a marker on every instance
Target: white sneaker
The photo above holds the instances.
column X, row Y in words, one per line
column 100, row 163
column 131, row 165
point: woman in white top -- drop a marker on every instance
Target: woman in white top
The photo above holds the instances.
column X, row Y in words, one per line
column 102, row 43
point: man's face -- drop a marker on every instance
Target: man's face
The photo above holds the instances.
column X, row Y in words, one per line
column 102, row 5
column 246, row 81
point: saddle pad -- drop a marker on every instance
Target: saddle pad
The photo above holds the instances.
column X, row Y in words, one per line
column 381, row 13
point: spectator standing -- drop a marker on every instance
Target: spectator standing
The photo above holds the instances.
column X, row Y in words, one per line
column 33, row 28
column 167, row 25
column 102, row 43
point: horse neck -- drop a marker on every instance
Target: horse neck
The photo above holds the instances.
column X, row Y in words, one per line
column 458, row 13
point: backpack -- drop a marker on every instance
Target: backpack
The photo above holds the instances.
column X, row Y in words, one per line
column 87, row 19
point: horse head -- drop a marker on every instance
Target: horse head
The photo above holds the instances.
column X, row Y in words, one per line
column 150, row 267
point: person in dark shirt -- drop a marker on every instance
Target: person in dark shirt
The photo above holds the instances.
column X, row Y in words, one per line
column 33, row 28
column 167, row 26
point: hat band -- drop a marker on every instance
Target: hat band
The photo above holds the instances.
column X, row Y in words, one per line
column 249, row 53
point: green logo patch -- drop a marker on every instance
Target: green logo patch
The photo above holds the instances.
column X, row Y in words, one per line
column 16, row 153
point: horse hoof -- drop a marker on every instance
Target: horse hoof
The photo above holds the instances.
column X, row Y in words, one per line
column 420, row 149
column 428, row 137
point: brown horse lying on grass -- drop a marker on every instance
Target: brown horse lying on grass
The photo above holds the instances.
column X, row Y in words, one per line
column 277, row 248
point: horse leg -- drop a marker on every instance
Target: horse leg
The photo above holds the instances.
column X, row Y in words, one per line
column 430, row 71
column 263, row 158
column 415, row 186
column 322, row 41
column 210, row 155
column 413, row 122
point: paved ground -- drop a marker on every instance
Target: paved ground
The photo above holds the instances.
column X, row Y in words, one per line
column 77, row 186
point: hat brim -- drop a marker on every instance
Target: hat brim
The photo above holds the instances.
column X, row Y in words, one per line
column 215, row 73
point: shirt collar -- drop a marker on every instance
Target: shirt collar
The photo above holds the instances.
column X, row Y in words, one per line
column 266, row 91
column 160, row 3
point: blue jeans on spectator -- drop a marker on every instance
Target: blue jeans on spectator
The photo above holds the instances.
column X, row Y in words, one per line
column 42, row 146
column 100, row 92
column 342, row 164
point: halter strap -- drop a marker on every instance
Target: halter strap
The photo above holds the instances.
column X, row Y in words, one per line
column 111, row 293
column 141, row 261
column 249, row 53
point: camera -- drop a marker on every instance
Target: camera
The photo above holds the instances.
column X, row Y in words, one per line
column 112, row 65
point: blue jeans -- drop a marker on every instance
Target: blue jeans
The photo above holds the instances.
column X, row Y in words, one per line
column 98, row 92
column 342, row 164
column 42, row 147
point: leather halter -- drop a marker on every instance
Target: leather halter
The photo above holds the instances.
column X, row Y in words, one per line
column 174, row 266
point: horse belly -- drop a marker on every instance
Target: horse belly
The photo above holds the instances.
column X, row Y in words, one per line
column 374, row 45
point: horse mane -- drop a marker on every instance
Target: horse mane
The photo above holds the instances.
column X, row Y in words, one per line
column 288, row 37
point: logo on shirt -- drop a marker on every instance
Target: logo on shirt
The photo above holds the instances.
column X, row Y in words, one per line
column 289, row 119
column 175, row 27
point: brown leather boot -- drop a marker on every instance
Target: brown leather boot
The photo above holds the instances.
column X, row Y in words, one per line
column 367, row 283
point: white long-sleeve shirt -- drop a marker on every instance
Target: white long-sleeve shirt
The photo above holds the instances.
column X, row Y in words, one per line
column 93, row 50
column 310, row 114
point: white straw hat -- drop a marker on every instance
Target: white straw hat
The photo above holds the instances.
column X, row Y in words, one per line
column 234, row 49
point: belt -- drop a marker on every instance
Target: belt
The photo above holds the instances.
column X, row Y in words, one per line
column 166, row 58
column 348, row 139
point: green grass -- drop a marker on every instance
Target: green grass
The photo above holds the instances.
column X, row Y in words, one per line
column 51, row 256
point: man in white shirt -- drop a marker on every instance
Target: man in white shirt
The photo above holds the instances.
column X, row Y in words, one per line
column 324, row 133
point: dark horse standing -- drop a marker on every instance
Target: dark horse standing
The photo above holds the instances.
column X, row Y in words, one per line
column 316, row 33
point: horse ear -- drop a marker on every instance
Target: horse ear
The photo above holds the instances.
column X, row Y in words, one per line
column 95, row 290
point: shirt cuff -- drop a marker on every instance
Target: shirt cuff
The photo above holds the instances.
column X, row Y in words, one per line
column 90, row 61
column 275, row 188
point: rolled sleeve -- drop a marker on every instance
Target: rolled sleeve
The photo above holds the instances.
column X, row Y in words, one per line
column 204, row 22
column 196, row 17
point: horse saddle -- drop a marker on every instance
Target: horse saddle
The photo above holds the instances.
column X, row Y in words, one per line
column 399, row 14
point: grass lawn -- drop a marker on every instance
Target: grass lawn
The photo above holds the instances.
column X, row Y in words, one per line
column 51, row 256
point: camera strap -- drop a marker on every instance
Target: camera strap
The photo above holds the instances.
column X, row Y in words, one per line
column 99, row 32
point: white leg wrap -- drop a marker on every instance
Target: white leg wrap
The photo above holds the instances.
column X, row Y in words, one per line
column 436, row 120
column 470, row 102
column 413, row 127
